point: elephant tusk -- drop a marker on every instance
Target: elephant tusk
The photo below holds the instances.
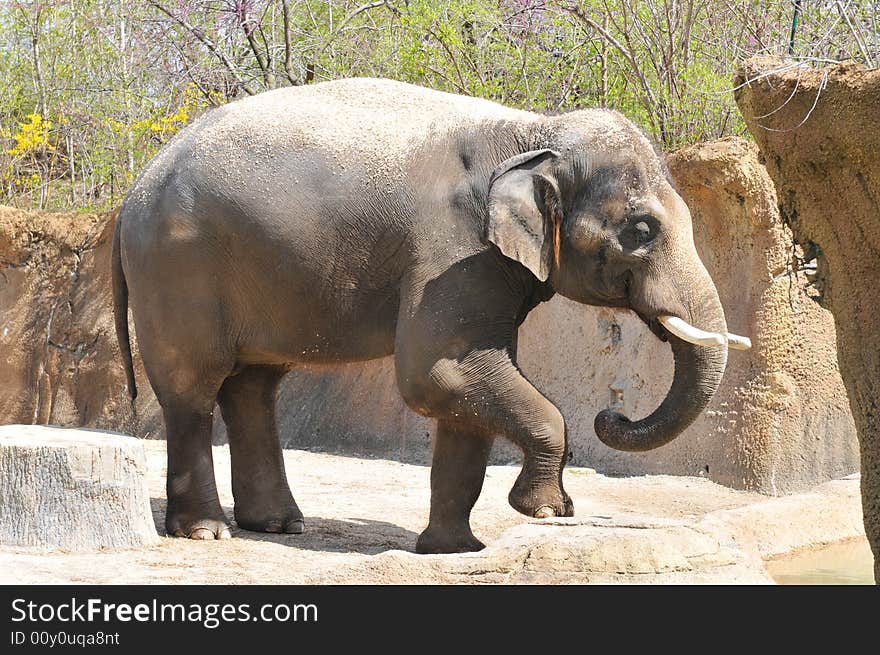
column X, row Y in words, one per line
column 687, row 332
column 737, row 342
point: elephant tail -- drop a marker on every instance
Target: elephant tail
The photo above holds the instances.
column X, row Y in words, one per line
column 120, row 308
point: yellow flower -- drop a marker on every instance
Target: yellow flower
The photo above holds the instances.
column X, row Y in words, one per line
column 31, row 136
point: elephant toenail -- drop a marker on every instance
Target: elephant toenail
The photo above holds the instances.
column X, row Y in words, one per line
column 545, row 512
column 295, row 527
column 225, row 534
column 202, row 534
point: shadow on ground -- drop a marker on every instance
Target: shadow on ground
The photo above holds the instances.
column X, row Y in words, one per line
column 354, row 535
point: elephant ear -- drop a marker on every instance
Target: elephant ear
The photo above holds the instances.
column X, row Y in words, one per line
column 522, row 207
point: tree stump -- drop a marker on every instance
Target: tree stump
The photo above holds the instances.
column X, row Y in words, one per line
column 71, row 489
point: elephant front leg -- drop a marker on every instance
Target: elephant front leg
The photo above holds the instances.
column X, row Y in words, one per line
column 535, row 424
column 457, row 473
column 263, row 501
column 484, row 390
column 454, row 360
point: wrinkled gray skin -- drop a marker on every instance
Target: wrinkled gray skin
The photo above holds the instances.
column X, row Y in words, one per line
column 354, row 219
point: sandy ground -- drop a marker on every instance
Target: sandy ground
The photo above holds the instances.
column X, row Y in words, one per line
column 363, row 517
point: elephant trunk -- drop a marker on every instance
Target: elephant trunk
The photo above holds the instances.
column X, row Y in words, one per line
column 698, row 372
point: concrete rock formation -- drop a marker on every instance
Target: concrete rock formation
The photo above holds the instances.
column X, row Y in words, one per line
column 76, row 490
column 782, row 417
column 818, row 131
column 778, row 424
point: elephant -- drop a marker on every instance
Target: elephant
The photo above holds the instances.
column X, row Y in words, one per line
column 355, row 219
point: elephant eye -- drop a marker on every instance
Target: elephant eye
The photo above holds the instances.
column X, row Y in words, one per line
column 638, row 233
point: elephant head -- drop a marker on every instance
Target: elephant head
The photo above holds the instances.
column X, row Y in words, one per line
column 593, row 214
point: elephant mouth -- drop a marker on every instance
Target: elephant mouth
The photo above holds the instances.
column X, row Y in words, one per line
column 655, row 327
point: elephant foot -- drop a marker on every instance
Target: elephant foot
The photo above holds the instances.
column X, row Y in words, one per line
column 541, row 502
column 435, row 541
column 287, row 519
column 292, row 525
column 203, row 529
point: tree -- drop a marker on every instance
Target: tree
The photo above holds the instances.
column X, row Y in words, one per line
column 92, row 88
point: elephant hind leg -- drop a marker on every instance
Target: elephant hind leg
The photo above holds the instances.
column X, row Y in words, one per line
column 457, row 472
column 187, row 394
column 193, row 509
column 186, row 372
column 263, row 501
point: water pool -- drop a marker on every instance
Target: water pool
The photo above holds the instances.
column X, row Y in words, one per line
column 844, row 563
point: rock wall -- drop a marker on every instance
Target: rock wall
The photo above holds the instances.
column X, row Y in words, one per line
column 779, row 423
column 818, row 131
column 59, row 362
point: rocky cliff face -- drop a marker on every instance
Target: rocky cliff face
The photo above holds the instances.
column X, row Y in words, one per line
column 59, row 362
column 779, row 423
column 818, row 132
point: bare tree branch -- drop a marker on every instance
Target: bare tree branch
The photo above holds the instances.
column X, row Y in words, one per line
column 208, row 43
column 649, row 99
column 288, row 52
column 262, row 60
column 462, row 85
